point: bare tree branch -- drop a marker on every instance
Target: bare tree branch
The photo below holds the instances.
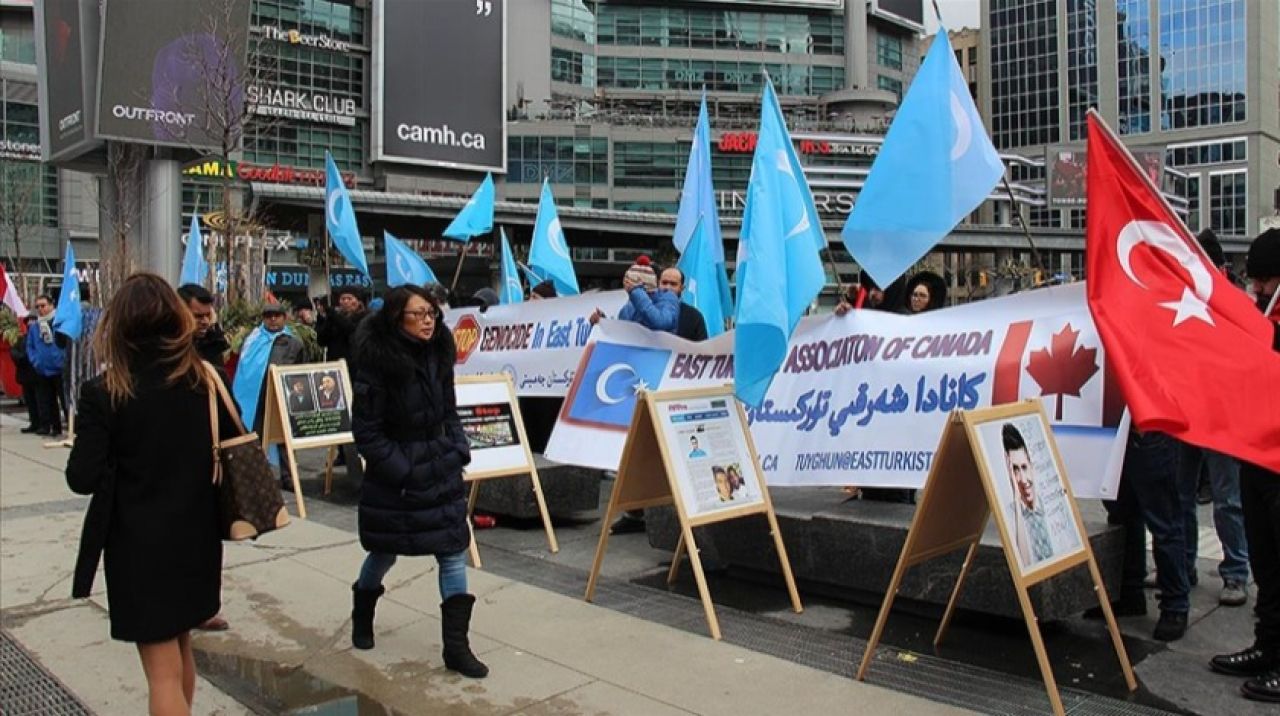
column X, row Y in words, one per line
column 19, row 206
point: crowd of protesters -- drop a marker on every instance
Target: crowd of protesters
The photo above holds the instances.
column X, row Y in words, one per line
column 156, row 341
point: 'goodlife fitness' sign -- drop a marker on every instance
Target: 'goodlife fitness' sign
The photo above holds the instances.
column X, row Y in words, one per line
column 274, row 174
column 745, row 143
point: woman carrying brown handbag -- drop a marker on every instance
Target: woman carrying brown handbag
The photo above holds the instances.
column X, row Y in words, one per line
column 144, row 450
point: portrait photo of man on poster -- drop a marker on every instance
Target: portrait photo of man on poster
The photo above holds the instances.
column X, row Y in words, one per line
column 1034, row 505
column 301, row 399
column 328, row 391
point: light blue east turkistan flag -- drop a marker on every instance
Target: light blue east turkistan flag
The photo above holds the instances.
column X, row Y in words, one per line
column 194, row 268
column 548, row 253
column 698, row 203
column 511, row 291
column 404, row 265
column 340, row 217
column 68, row 319
column 779, row 268
column 476, row 216
column 937, row 165
column 701, row 282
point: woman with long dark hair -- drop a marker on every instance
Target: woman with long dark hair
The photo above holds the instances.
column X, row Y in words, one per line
column 144, row 450
column 413, row 500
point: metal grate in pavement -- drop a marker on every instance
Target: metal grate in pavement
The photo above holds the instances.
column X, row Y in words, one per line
column 981, row 690
column 26, row 688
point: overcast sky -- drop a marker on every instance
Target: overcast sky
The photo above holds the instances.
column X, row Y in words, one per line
column 956, row 13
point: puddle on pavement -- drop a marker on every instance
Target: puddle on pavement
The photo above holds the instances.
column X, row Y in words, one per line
column 280, row 689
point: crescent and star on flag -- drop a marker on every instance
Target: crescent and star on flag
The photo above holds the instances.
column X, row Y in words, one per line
column 1194, row 302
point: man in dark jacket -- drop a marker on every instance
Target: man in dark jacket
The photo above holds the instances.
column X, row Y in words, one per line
column 691, row 325
column 1260, row 498
column 211, row 343
column 335, row 327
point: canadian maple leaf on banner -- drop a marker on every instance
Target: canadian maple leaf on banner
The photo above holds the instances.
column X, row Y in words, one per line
column 1063, row 368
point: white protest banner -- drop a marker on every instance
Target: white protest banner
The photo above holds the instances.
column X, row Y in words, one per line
column 861, row 399
column 537, row 343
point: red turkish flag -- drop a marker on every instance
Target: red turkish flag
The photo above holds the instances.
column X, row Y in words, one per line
column 1191, row 351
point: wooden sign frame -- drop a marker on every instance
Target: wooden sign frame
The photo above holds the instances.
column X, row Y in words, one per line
column 527, row 467
column 275, row 422
column 959, row 497
column 647, row 478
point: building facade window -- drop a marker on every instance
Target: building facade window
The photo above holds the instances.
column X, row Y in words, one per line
column 656, row 73
column 573, row 67
column 303, row 145
column 1193, row 202
column 649, row 164
column 652, row 207
column 1024, row 72
column 574, row 20
column 891, row 84
column 1212, row 152
column 889, row 51
column 1082, row 64
column 17, row 39
column 339, row 20
column 1203, row 61
column 562, row 160
column 706, row 28
column 1133, row 65
column 295, row 67
column 1228, row 197
column 30, row 188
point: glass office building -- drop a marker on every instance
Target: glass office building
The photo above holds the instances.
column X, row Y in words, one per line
column 1191, row 81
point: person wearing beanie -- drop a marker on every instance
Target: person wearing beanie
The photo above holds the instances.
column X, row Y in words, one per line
column 655, row 308
column 335, row 327
column 1260, row 499
column 642, row 273
column 484, row 299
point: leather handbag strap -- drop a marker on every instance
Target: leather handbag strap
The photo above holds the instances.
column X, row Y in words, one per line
column 211, row 377
column 226, row 397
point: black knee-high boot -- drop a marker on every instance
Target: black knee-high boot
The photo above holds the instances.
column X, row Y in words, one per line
column 363, row 602
column 455, row 620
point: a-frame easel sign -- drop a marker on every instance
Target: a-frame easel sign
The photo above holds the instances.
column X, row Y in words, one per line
column 491, row 420
column 307, row 406
column 692, row 448
column 1001, row 461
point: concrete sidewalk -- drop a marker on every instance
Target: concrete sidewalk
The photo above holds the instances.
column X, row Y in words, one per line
column 288, row 600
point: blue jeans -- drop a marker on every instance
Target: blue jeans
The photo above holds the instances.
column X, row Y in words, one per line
column 1228, row 515
column 453, row 572
column 1151, row 467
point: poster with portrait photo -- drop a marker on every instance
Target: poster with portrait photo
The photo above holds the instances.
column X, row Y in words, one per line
column 1034, row 505
column 707, row 444
column 315, row 401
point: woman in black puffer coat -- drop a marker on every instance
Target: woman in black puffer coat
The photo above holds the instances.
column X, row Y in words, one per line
column 413, row 501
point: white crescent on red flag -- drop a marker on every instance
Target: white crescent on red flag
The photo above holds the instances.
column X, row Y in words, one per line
column 1189, row 348
column 9, row 295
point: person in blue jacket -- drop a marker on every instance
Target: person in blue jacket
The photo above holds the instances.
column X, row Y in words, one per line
column 654, row 308
column 46, row 349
